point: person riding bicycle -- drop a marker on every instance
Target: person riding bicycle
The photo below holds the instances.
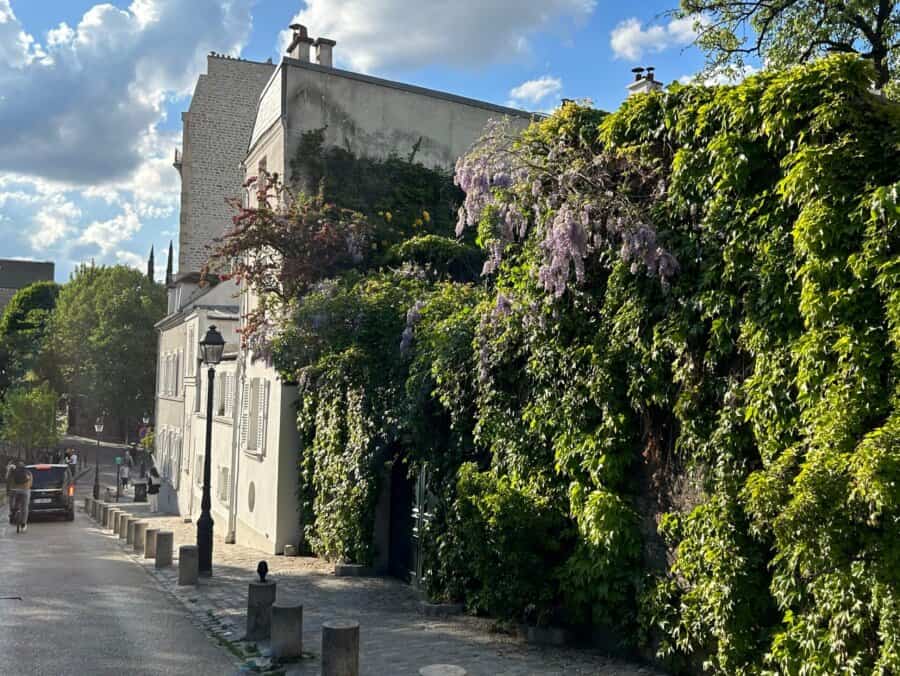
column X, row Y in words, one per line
column 19, row 481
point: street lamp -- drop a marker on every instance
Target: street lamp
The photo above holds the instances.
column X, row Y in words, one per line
column 211, row 348
column 98, row 428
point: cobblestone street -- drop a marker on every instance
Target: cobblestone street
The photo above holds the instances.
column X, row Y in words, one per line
column 394, row 637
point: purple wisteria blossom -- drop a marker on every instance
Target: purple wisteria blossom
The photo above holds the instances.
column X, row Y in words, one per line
column 579, row 200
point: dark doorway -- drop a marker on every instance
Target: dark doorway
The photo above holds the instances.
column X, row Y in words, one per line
column 401, row 562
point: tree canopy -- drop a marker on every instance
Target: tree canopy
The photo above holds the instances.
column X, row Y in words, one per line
column 23, row 327
column 29, row 417
column 786, row 32
column 104, row 342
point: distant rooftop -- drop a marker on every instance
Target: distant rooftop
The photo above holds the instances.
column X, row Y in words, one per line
column 16, row 274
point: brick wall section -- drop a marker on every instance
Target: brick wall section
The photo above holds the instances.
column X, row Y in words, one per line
column 216, row 135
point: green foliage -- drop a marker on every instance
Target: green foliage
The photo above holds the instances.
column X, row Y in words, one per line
column 500, row 539
column 788, row 32
column 104, row 343
column 22, row 329
column 29, row 417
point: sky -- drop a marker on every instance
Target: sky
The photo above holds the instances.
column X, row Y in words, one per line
column 91, row 94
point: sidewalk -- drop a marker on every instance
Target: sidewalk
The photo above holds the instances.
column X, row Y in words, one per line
column 394, row 638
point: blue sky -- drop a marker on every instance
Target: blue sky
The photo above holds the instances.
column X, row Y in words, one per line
column 91, row 94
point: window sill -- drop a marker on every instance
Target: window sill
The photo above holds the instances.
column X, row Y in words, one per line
column 256, row 455
column 170, row 397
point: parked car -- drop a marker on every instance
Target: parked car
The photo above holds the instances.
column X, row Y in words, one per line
column 53, row 491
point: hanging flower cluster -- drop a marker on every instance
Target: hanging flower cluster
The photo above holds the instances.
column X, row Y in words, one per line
column 580, row 198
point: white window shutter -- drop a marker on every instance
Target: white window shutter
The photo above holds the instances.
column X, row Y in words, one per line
column 263, row 412
column 245, row 412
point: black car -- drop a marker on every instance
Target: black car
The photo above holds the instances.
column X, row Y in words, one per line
column 52, row 492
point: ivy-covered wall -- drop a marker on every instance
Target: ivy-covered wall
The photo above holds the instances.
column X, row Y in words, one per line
column 689, row 321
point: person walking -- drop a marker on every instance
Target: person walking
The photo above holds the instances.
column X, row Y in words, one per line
column 124, row 476
column 153, row 483
column 72, row 461
column 19, row 481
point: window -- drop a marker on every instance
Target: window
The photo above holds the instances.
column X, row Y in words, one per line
column 191, row 348
column 229, row 394
column 198, row 470
column 224, row 485
column 254, row 410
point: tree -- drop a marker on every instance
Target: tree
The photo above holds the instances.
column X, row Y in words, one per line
column 150, row 265
column 23, row 327
column 29, row 417
column 785, row 32
column 104, row 340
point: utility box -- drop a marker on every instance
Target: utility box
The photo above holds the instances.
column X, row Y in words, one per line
column 140, row 491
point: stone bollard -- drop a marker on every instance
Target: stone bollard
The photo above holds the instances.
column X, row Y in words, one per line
column 95, row 505
column 340, row 648
column 123, row 525
column 129, row 534
column 150, row 543
column 140, row 533
column 87, row 504
column 117, row 518
column 108, row 520
column 290, row 550
column 287, row 630
column 188, row 565
column 260, row 598
column 165, row 541
column 104, row 510
column 442, row 670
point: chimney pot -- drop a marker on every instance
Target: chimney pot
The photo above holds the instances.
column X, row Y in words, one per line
column 299, row 47
column 325, row 52
column 643, row 83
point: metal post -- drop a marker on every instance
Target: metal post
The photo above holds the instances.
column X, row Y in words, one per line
column 205, row 522
column 97, row 470
column 118, row 482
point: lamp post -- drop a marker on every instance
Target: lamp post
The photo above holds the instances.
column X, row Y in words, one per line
column 98, row 428
column 144, row 431
column 211, row 348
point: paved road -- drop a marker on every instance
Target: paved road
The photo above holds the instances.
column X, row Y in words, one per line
column 86, row 609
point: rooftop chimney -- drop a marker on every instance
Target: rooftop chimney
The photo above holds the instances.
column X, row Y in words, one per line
column 299, row 47
column 325, row 51
column 643, row 81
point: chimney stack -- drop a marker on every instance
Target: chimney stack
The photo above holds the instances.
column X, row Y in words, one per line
column 643, row 81
column 299, row 47
column 325, row 52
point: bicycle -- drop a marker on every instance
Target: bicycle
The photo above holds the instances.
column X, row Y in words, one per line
column 16, row 515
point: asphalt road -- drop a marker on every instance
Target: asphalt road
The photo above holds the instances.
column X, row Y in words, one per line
column 72, row 603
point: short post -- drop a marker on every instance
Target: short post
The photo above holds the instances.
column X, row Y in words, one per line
column 188, row 565
column 442, row 670
column 165, row 540
column 340, row 648
column 87, row 504
column 290, row 550
column 123, row 526
column 260, row 598
column 129, row 534
column 95, row 505
column 104, row 509
column 117, row 516
column 150, row 543
column 140, row 530
column 110, row 518
column 287, row 630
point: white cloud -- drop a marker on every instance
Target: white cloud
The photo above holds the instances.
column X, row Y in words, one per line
column 533, row 92
column 79, row 109
column 54, row 221
column 375, row 34
column 630, row 40
column 132, row 259
column 109, row 234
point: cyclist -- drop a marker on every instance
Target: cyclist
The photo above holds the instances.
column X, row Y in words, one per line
column 19, row 481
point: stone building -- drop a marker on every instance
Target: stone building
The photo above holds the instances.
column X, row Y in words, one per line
column 15, row 275
column 255, row 445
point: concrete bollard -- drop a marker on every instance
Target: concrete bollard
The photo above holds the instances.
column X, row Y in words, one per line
column 123, row 526
column 260, row 598
column 129, row 534
column 107, row 518
column 165, row 541
column 87, row 504
column 290, row 550
column 287, row 630
column 95, row 505
column 188, row 565
column 140, row 531
column 104, row 510
column 150, row 543
column 442, row 670
column 117, row 517
column 340, row 648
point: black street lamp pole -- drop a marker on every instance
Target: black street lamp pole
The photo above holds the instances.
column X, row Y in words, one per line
column 211, row 348
column 98, row 428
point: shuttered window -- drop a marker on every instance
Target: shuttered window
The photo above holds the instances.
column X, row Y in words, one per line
column 245, row 413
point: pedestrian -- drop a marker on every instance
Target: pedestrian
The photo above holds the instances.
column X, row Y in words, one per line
column 72, row 460
column 124, row 476
column 153, row 482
